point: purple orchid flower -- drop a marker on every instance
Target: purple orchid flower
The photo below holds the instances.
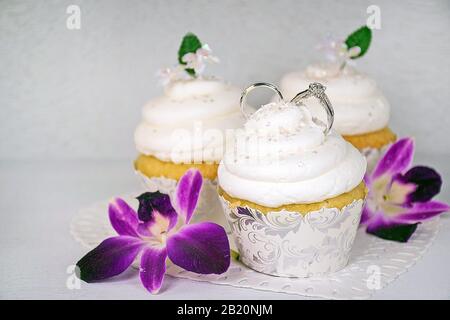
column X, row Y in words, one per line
column 157, row 232
column 400, row 198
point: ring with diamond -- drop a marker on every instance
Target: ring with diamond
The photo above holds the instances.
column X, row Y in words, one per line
column 317, row 90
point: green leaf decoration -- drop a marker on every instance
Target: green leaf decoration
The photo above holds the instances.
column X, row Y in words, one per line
column 360, row 38
column 399, row 233
column 189, row 44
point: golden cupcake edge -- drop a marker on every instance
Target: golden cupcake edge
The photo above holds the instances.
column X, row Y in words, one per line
column 357, row 193
column 376, row 139
column 151, row 166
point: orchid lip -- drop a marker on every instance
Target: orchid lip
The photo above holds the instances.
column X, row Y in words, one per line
column 161, row 238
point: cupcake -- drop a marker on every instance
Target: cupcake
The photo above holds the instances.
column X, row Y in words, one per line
column 185, row 127
column 292, row 190
column 362, row 111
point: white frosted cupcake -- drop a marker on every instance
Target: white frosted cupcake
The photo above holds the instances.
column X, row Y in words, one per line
column 292, row 192
column 361, row 110
column 186, row 128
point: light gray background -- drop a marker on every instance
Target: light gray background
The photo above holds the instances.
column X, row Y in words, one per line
column 78, row 93
column 70, row 100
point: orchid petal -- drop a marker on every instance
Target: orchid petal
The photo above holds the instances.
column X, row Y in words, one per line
column 201, row 248
column 396, row 159
column 427, row 180
column 366, row 215
column 378, row 221
column 153, row 268
column 367, row 179
column 398, row 232
column 420, row 211
column 156, row 205
column 187, row 193
column 110, row 258
column 390, row 229
column 123, row 218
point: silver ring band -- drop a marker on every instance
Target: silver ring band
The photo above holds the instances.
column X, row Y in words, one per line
column 317, row 90
column 252, row 87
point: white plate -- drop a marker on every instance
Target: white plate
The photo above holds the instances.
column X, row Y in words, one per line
column 374, row 262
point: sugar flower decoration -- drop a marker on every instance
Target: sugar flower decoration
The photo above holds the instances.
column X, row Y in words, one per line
column 167, row 75
column 335, row 50
column 399, row 196
column 192, row 59
column 197, row 61
column 343, row 51
column 158, row 231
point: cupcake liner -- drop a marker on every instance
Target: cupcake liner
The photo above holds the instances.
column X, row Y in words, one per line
column 372, row 155
column 208, row 206
column 288, row 244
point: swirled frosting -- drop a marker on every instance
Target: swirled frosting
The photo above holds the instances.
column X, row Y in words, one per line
column 282, row 156
column 359, row 105
column 188, row 123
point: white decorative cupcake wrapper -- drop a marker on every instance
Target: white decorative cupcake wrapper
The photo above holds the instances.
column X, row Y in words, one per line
column 288, row 244
column 208, row 207
column 373, row 264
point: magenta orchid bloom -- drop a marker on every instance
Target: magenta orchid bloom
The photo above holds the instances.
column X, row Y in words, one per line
column 157, row 232
column 400, row 198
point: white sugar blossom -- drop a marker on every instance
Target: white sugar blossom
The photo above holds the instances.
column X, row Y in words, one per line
column 336, row 50
column 197, row 61
column 167, row 75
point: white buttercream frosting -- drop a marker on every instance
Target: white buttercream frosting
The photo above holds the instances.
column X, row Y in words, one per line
column 189, row 122
column 282, row 156
column 359, row 105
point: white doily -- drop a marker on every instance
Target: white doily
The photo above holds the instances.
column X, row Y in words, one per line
column 374, row 262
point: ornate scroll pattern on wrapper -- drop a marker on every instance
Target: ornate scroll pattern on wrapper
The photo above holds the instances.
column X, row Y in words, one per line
column 291, row 245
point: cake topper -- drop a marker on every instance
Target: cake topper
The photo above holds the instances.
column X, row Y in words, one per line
column 342, row 51
column 192, row 59
column 315, row 89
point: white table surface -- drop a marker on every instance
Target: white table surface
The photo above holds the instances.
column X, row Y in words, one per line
column 38, row 199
